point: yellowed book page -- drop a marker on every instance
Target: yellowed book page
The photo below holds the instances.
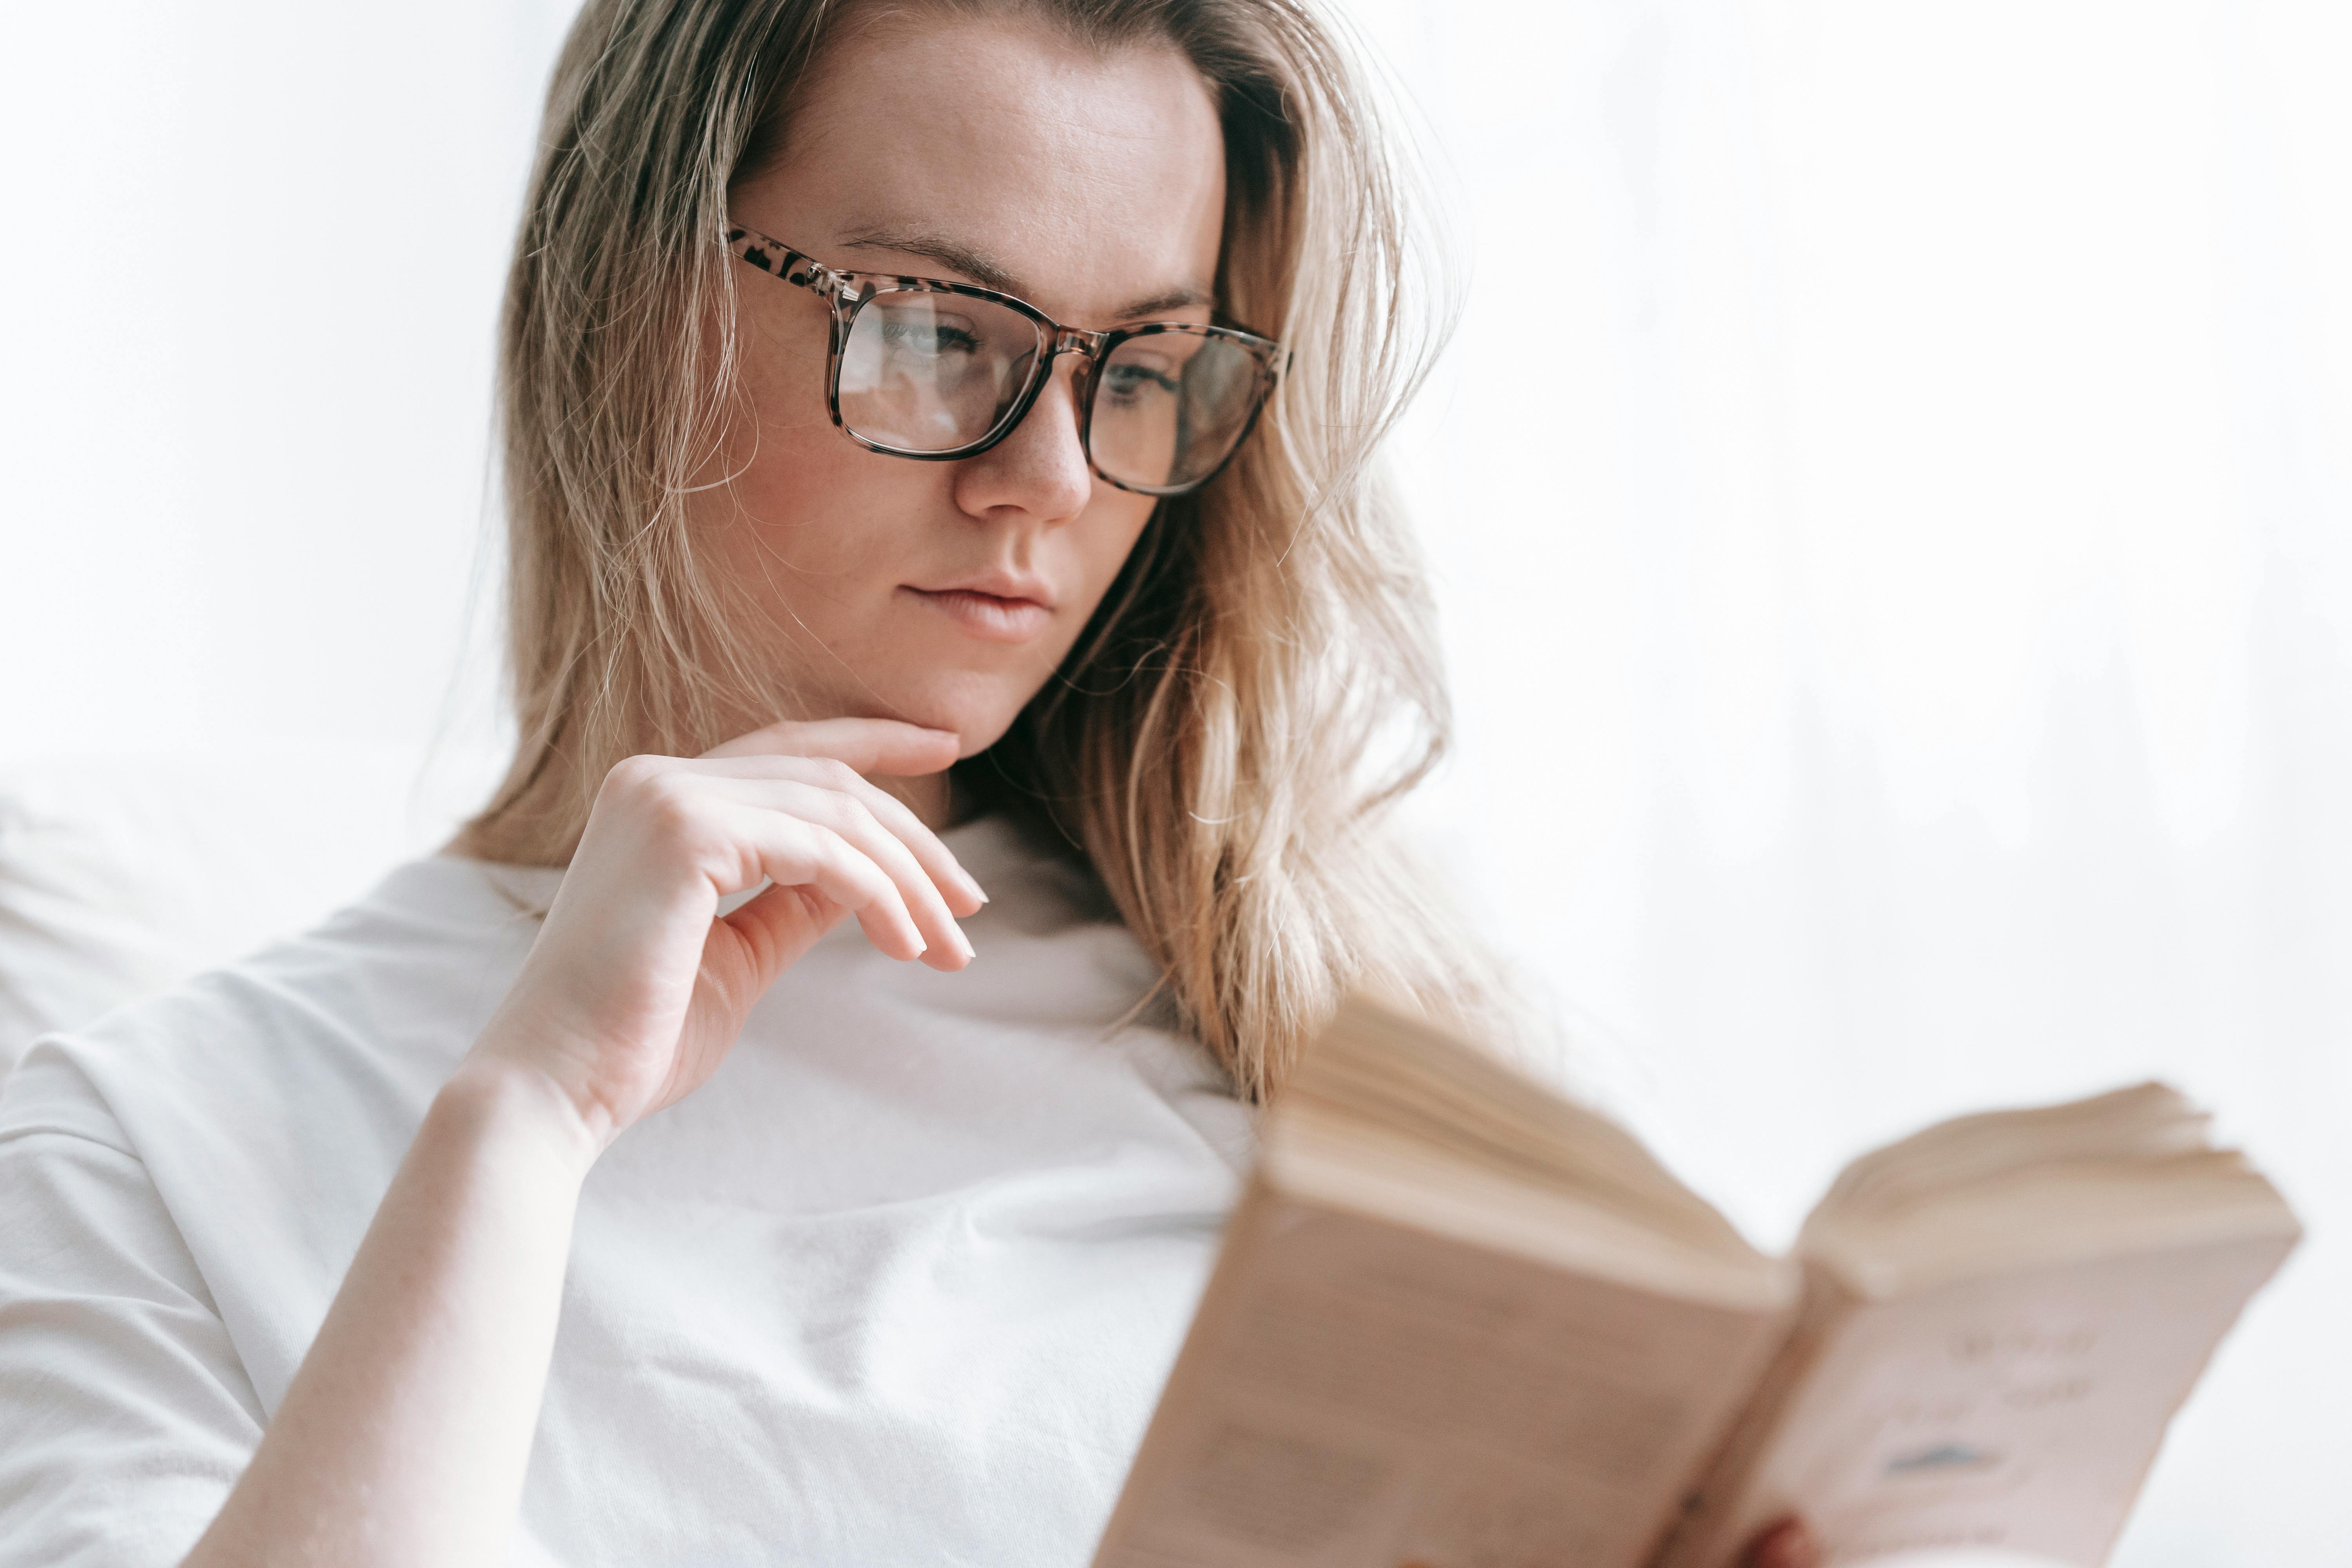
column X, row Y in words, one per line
column 1362, row 1393
column 2020, row 1412
column 1318, row 1158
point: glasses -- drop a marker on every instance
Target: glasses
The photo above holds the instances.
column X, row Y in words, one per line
column 931, row 370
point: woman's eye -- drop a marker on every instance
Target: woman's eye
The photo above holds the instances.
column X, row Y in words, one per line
column 928, row 337
column 1129, row 382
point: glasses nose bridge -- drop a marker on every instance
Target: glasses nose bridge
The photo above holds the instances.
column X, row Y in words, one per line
column 1086, row 346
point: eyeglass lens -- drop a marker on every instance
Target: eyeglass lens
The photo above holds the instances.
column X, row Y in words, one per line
column 928, row 372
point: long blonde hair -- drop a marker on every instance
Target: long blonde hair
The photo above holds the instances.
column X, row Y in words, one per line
column 1261, row 682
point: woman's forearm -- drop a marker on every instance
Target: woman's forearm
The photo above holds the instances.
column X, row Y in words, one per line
column 404, row 1435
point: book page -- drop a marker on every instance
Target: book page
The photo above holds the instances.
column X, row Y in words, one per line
column 2020, row 1412
column 1357, row 1393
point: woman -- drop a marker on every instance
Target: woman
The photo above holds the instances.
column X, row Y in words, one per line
column 937, row 438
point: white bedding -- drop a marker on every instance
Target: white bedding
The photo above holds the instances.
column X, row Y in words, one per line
column 122, row 873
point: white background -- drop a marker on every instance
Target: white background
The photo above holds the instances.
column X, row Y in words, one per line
column 1891, row 492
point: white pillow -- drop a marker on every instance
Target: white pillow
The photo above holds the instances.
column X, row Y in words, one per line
column 120, row 875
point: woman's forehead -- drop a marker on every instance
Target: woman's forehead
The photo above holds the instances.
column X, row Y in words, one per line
column 1087, row 182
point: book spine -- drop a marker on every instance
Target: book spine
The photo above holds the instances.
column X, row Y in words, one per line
column 1693, row 1540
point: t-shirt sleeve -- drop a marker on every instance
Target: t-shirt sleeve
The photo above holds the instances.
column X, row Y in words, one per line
column 127, row 1413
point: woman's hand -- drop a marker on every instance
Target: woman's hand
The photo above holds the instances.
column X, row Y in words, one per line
column 405, row 1436
column 638, row 987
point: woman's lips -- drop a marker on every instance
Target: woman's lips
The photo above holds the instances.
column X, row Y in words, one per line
column 992, row 616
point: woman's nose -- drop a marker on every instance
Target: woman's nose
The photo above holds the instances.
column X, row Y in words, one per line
column 1040, row 469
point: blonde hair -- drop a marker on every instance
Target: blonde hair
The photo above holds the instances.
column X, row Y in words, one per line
column 1261, row 682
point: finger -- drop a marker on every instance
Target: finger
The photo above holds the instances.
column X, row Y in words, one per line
column 796, row 853
column 1785, row 1543
column 845, row 813
column 958, row 887
column 885, row 746
column 962, row 891
column 782, row 924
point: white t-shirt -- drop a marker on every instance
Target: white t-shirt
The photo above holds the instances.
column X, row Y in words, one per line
column 898, row 1285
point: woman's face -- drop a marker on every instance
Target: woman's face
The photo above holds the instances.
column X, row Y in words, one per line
column 945, row 594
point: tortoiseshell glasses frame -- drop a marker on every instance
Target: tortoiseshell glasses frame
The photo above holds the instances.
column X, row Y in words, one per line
column 1181, row 395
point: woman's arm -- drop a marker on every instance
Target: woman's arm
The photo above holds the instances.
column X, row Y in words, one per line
column 404, row 1438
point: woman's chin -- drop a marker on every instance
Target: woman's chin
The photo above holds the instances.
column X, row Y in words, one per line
column 978, row 709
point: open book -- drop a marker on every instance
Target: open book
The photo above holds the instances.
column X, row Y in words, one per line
column 1461, row 1323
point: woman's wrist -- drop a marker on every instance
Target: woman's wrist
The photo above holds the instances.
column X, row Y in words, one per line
column 521, row 1110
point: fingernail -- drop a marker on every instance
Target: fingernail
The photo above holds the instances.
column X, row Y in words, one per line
column 964, row 942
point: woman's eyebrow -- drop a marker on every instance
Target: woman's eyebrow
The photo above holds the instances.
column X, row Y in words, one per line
column 975, row 265
column 1182, row 297
column 984, row 270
